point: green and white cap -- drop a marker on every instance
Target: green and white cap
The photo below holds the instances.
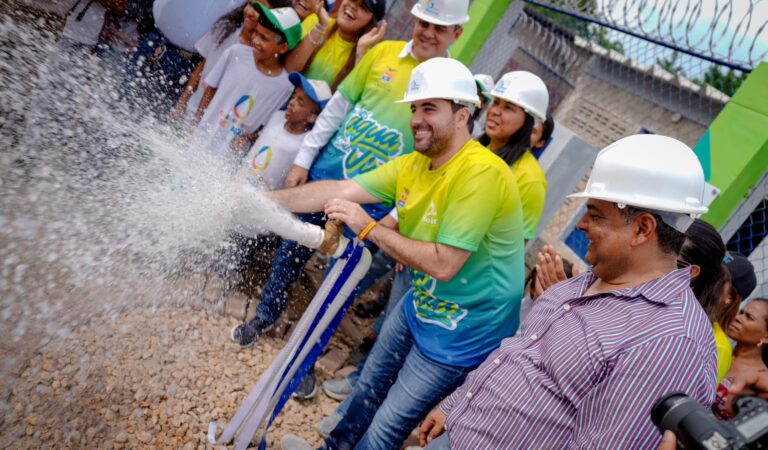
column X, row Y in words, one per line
column 285, row 20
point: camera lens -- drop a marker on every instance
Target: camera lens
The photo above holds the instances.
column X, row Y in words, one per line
column 694, row 426
column 671, row 409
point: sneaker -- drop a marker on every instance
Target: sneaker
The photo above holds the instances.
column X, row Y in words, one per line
column 337, row 389
column 293, row 442
column 246, row 334
column 307, row 389
column 327, row 425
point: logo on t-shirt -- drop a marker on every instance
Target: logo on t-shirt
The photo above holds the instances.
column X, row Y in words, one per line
column 431, row 310
column 261, row 159
column 403, row 198
column 388, row 74
column 233, row 121
column 430, row 216
column 366, row 143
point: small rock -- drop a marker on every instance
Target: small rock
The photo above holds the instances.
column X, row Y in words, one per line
column 121, row 437
column 144, row 437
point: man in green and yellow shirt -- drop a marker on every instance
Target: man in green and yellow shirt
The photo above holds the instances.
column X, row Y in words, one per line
column 460, row 232
column 361, row 128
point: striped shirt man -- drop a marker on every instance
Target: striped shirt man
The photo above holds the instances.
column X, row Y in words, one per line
column 584, row 371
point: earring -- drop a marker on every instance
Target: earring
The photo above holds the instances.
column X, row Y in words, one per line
column 759, row 344
column 277, row 55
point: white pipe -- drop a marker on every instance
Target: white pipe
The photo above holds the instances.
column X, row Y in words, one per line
column 252, row 213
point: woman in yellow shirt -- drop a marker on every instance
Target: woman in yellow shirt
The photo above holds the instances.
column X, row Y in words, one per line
column 332, row 46
column 704, row 251
column 520, row 100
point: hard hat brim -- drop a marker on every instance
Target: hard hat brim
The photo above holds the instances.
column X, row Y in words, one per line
column 416, row 11
column 640, row 204
column 526, row 108
column 475, row 101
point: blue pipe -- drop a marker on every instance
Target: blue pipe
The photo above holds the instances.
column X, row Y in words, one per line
column 317, row 325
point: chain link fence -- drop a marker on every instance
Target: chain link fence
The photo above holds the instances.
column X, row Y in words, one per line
column 616, row 68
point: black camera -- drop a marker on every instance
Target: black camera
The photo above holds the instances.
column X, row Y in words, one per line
column 696, row 427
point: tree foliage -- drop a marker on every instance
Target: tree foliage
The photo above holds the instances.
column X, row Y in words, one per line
column 725, row 82
column 578, row 27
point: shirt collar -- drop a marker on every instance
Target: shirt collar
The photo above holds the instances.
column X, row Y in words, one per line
column 660, row 290
column 408, row 50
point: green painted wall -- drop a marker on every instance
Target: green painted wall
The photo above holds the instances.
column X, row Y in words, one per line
column 734, row 150
column 483, row 15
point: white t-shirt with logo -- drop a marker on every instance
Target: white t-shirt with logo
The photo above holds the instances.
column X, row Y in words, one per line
column 271, row 156
column 244, row 100
column 209, row 48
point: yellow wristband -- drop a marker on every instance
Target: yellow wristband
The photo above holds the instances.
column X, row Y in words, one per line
column 365, row 231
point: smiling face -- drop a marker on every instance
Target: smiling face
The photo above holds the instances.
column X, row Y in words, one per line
column 353, row 17
column 432, row 125
column 750, row 326
column 250, row 17
column 267, row 43
column 609, row 237
column 503, row 120
column 430, row 40
column 303, row 8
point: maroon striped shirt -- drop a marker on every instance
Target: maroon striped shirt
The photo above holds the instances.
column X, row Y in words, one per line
column 583, row 372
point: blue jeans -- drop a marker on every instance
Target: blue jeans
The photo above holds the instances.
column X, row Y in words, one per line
column 163, row 67
column 290, row 259
column 396, row 390
column 400, row 285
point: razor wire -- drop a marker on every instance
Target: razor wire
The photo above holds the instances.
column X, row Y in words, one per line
column 731, row 32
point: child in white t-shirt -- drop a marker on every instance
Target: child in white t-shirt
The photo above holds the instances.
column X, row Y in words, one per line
column 247, row 85
column 271, row 156
column 266, row 166
column 235, row 27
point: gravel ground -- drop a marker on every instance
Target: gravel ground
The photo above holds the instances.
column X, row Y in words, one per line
column 147, row 378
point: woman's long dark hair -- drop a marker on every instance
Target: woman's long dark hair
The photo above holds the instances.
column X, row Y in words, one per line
column 231, row 21
column 228, row 24
column 517, row 144
column 704, row 247
column 350, row 64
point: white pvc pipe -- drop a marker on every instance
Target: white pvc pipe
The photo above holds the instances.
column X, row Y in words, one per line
column 252, row 213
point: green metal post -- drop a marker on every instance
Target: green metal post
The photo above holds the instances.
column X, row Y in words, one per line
column 734, row 149
column 484, row 15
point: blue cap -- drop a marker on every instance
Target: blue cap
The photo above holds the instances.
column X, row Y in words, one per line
column 317, row 90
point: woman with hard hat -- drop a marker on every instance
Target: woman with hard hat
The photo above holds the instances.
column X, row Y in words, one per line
column 484, row 86
column 520, row 99
column 330, row 49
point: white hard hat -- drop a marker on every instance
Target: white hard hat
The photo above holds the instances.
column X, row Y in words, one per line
column 650, row 172
column 442, row 12
column 525, row 90
column 486, row 84
column 444, row 78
